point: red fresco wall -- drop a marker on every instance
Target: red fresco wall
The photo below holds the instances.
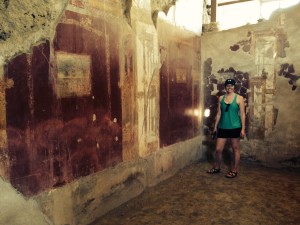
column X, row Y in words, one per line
column 56, row 134
column 64, row 112
column 179, row 90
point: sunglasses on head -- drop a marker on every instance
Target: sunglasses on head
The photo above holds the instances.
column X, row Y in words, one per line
column 227, row 107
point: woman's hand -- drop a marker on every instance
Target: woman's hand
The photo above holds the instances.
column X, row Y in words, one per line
column 215, row 130
column 214, row 133
column 243, row 133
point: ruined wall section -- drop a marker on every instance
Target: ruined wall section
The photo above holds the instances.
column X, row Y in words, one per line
column 144, row 162
column 264, row 60
column 25, row 23
column 64, row 116
column 286, row 99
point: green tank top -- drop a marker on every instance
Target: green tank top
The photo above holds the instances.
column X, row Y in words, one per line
column 230, row 119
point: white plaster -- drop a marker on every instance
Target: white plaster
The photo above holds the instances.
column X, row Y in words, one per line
column 16, row 210
column 27, row 30
column 276, row 93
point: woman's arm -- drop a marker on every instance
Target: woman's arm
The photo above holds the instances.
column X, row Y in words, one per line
column 242, row 115
column 218, row 116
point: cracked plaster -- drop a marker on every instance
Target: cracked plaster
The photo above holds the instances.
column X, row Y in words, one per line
column 26, row 23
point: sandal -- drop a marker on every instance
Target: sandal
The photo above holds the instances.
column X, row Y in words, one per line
column 231, row 174
column 213, row 170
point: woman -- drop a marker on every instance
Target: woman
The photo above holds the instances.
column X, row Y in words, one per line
column 230, row 124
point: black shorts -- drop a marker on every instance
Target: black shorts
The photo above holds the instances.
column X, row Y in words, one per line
column 229, row 133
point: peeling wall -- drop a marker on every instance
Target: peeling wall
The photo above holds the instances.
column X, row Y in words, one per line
column 264, row 60
column 33, row 22
column 86, row 199
column 80, row 105
column 23, row 24
column 64, row 117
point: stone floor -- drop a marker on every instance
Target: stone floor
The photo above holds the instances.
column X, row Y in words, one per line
column 257, row 196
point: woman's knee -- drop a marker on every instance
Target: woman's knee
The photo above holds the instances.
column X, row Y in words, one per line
column 219, row 150
column 235, row 148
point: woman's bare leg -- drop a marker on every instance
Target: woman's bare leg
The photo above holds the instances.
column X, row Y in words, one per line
column 235, row 144
column 218, row 153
